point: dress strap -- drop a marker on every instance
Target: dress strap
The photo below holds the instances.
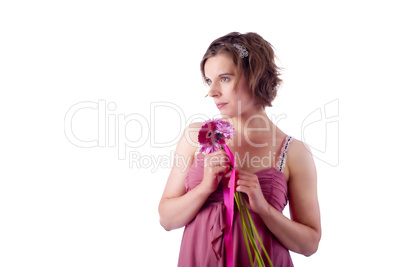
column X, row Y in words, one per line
column 282, row 152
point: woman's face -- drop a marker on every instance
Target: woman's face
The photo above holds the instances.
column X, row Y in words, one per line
column 220, row 72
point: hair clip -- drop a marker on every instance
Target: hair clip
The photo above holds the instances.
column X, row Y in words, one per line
column 242, row 50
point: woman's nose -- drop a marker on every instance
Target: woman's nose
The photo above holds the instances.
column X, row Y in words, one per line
column 214, row 90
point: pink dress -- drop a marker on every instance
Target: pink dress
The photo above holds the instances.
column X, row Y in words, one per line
column 202, row 243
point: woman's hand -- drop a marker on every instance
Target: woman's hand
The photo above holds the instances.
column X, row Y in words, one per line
column 216, row 165
column 248, row 183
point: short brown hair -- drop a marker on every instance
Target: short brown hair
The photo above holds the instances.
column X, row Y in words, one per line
column 258, row 67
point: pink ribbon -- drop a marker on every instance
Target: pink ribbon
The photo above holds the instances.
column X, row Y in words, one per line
column 228, row 200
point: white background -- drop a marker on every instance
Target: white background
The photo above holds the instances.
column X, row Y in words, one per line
column 64, row 205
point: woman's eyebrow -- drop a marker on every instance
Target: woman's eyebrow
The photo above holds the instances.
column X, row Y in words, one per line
column 226, row 74
column 223, row 74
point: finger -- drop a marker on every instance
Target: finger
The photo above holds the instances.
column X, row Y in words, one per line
column 220, row 169
column 245, row 182
column 221, row 155
column 243, row 189
column 248, row 187
column 247, row 177
column 244, row 172
column 219, row 177
column 221, row 159
column 225, row 157
column 218, row 152
column 225, row 165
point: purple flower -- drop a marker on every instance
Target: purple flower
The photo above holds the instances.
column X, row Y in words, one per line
column 225, row 128
column 213, row 133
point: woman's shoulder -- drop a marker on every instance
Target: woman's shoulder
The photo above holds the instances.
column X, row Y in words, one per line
column 299, row 156
column 196, row 126
column 189, row 138
column 191, row 132
column 298, row 148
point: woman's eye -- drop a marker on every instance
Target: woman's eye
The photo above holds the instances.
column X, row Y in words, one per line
column 224, row 79
column 208, row 81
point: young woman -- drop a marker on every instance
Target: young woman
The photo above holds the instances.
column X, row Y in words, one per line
column 271, row 166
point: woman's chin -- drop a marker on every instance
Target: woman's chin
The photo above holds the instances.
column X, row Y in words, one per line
column 226, row 115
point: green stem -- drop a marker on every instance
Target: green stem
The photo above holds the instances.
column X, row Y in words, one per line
column 243, row 226
column 256, row 233
column 251, row 234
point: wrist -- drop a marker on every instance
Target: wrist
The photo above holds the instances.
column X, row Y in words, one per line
column 266, row 210
column 205, row 188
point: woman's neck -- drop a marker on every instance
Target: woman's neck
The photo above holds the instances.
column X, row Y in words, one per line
column 252, row 123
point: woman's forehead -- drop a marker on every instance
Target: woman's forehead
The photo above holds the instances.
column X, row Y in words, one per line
column 218, row 65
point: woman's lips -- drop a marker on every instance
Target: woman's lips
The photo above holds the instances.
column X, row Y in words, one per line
column 220, row 105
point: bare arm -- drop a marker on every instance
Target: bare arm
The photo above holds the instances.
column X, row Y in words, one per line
column 177, row 208
column 302, row 233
